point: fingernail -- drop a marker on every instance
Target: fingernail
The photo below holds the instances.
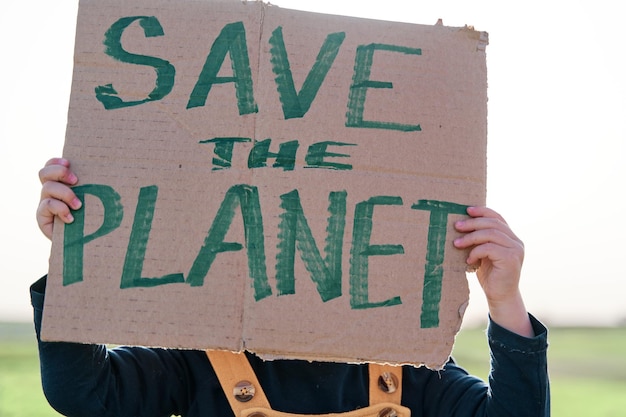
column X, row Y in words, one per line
column 76, row 203
column 69, row 218
column 72, row 178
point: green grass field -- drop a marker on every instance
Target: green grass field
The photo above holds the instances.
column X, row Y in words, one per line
column 587, row 368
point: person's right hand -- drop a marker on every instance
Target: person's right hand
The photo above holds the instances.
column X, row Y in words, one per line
column 57, row 198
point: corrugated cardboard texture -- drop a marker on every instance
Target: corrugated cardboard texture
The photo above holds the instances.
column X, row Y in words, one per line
column 268, row 179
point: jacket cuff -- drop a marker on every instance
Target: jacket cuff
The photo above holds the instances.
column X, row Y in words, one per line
column 38, row 293
column 37, row 297
column 505, row 339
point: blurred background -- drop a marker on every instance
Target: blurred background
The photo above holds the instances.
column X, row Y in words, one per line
column 556, row 171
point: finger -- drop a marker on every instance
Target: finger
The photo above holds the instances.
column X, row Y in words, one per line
column 488, row 235
column 477, row 211
column 58, row 161
column 57, row 169
column 497, row 254
column 485, row 223
column 61, row 192
column 48, row 209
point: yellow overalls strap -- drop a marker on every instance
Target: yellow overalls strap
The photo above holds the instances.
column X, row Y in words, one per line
column 247, row 399
column 385, row 384
column 236, row 374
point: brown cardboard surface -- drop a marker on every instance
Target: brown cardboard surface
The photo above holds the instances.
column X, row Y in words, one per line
column 328, row 244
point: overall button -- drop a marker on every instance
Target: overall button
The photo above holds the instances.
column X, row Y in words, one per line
column 244, row 391
column 388, row 412
column 388, row 382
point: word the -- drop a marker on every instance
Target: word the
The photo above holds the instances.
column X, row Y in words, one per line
column 285, row 158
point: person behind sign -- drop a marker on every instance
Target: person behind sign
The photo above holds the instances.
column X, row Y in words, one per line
column 93, row 380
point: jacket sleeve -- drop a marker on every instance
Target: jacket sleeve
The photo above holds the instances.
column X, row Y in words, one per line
column 518, row 380
column 91, row 380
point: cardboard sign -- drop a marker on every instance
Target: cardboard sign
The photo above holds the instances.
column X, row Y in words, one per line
column 268, row 179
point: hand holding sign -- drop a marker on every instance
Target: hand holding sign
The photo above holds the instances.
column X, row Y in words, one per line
column 57, row 198
column 499, row 254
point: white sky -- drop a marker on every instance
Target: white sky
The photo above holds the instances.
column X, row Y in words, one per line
column 557, row 138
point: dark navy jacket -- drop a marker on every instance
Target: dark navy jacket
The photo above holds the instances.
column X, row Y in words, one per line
column 91, row 381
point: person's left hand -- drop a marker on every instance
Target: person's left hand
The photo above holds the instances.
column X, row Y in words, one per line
column 499, row 255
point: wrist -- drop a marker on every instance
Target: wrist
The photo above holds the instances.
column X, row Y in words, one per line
column 512, row 315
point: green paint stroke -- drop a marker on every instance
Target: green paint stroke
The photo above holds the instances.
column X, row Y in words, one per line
column 245, row 197
column 295, row 104
column 362, row 250
column 435, row 253
column 74, row 240
column 315, row 157
column 138, row 242
column 285, row 158
column 165, row 71
column 294, row 231
column 231, row 40
column 361, row 83
column 224, row 150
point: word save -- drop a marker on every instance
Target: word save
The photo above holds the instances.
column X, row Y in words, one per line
column 232, row 41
